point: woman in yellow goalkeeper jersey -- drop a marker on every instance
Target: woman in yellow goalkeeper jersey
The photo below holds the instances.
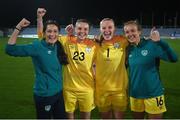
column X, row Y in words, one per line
column 78, row 82
column 111, row 76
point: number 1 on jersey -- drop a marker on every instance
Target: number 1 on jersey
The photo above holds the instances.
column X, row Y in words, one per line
column 108, row 53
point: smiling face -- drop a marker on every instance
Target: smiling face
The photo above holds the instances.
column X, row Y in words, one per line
column 107, row 29
column 132, row 32
column 81, row 30
column 51, row 33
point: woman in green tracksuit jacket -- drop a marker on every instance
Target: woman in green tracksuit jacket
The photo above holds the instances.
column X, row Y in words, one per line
column 146, row 90
column 48, row 57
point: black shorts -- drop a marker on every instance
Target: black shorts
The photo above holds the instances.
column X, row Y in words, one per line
column 50, row 107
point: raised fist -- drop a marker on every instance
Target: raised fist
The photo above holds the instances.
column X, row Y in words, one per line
column 69, row 29
column 23, row 23
column 41, row 12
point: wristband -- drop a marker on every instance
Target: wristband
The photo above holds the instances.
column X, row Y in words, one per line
column 17, row 29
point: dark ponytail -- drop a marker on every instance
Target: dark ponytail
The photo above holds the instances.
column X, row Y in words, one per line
column 62, row 56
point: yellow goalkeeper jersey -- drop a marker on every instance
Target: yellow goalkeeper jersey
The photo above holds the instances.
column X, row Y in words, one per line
column 78, row 74
column 111, row 74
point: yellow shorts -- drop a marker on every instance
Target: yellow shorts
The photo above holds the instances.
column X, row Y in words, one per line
column 82, row 99
column 154, row 105
column 111, row 100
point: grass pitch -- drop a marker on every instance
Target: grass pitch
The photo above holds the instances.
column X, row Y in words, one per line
column 17, row 78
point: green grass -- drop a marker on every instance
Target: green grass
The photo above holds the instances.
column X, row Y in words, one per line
column 17, row 78
column 16, row 75
column 170, row 75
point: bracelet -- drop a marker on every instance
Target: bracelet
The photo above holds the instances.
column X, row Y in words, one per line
column 17, row 29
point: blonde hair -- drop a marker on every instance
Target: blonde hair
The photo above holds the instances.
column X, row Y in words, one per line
column 106, row 19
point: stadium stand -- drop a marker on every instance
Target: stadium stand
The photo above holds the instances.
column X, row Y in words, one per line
column 164, row 32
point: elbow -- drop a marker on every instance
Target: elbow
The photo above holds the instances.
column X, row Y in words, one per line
column 172, row 56
column 174, row 59
column 8, row 50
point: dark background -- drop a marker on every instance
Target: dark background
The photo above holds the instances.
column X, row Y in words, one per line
column 147, row 12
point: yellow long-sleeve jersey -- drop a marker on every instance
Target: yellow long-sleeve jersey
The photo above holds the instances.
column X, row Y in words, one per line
column 78, row 74
column 111, row 74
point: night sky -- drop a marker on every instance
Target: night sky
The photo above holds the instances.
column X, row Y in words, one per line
column 66, row 11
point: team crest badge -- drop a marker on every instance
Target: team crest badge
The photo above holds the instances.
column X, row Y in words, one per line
column 130, row 56
column 71, row 46
column 116, row 45
column 49, row 52
column 144, row 52
column 88, row 50
column 47, row 107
